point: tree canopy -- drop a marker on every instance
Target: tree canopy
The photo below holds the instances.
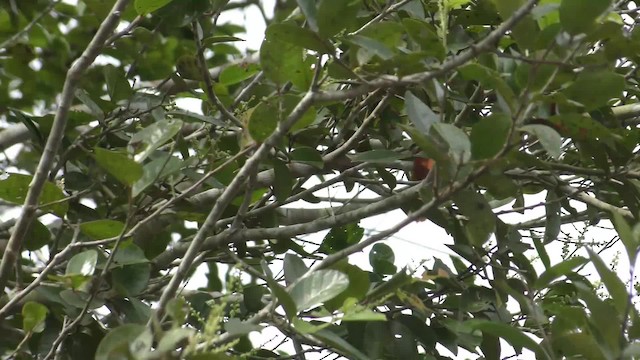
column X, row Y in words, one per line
column 459, row 113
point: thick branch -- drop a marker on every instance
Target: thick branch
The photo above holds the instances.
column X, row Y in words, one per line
column 53, row 142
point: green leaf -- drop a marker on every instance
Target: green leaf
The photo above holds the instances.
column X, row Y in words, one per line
column 489, row 79
column 425, row 36
column 119, row 166
column 382, row 258
column 430, row 148
column 553, row 209
column 594, row 89
column 118, row 87
column 603, row 317
column 341, row 237
column 549, row 138
column 629, row 238
column 156, row 170
column 294, row 268
column 615, row 286
column 83, row 263
column 332, row 340
column 576, row 345
column 144, row 7
column 363, row 315
column 370, row 47
column 317, row 287
column 115, row 344
column 509, row 333
column 481, row 220
column 283, row 62
column 263, row 120
column 131, row 280
column 358, row 285
column 489, row 135
column 14, row 190
column 283, row 297
column 187, row 67
column 542, row 252
column 336, row 15
column 147, row 140
column 236, row 326
column 171, row 339
column 283, row 182
column 293, row 34
column 307, row 155
column 308, row 8
column 556, row 271
column 457, row 140
column 579, row 16
column 33, row 317
column 212, row 40
column 419, row 113
column 102, row 229
column 237, row 73
column 525, row 32
column 381, row 156
column 129, row 254
column 39, row 236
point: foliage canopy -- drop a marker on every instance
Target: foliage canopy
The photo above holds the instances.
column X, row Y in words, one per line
column 124, row 193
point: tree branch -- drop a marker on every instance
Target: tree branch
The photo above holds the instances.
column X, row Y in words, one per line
column 53, row 142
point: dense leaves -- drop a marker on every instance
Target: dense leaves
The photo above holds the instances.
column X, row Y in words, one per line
column 413, row 179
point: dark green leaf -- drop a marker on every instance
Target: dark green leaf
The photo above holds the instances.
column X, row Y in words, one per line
column 481, row 220
column 283, row 183
column 307, row 155
column 38, row 236
column 594, row 89
column 131, row 280
column 382, row 258
column 489, row 135
column 553, row 209
column 118, row 87
column 579, row 16
column 511, row 334
column 341, row 237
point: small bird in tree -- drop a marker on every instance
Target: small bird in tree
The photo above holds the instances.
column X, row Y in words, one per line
column 421, row 168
